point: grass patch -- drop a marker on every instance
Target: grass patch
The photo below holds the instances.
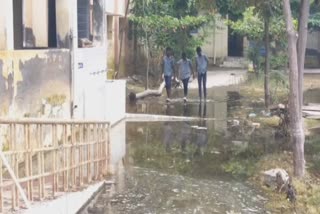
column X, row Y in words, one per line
column 308, row 189
column 311, row 123
column 253, row 88
column 269, row 121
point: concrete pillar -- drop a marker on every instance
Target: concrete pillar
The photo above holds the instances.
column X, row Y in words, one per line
column 116, row 37
column 73, row 17
column 9, row 24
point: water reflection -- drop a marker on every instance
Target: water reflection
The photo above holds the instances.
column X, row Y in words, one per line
column 167, row 135
column 201, row 131
column 186, row 130
column 180, row 167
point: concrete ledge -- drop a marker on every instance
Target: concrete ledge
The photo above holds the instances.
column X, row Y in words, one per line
column 155, row 118
column 67, row 204
column 312, row 71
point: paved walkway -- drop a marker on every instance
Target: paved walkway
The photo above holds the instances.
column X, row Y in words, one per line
column 222, row 77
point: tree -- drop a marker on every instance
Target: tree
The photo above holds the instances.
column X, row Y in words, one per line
column 167, row 23
column 258, row 24
column 296, row 52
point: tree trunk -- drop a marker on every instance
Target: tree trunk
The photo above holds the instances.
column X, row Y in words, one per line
column 147, row 93
column 296, row 129
column 267, row 62
column 148, row 62
column 302, row 43
column 135, row 49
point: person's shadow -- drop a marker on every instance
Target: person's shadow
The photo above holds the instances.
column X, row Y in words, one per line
column 167, row 135
column 202, row 111
column 186, row 130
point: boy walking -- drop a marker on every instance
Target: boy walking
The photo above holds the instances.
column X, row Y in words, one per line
column 201, row 68
column 168, row 71
column 185, row 69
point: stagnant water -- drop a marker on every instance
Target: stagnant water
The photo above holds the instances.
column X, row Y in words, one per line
column 190, row 166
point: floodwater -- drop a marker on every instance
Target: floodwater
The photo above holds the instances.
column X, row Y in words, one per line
column 188, row 166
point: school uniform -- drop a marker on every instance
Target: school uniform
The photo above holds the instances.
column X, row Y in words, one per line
column 185, row 73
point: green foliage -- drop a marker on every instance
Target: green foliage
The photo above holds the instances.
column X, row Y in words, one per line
column 279, row 62
column 240, row 168
column 253, row 54
column 168, row 31
column 250, row 25
column 314, row 21
column 232, row 8
column 279, row 84
column 314, row 18
column 168, row 23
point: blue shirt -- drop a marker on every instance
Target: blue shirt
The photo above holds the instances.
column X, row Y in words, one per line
column 184, row 68
column 202, row 64
column 168, row 65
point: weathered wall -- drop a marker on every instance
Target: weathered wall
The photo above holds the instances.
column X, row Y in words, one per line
column 115, row 10
column 115, row 7
column 111, row 41
column 63, row 23
column 216, row 42
column 35, row 83
column 98, row 16
column 35, row 20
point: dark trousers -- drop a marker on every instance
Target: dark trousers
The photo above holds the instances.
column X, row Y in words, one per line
column 202, row 81
column 185, row 86
column 167, row 80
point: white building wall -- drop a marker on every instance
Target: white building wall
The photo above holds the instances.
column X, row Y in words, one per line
column 110, row 6
column 216, row 42
column 115, row 103
column 89, row 77
column 118, row 145
column 115, row 7
column 313, row 41
column 95, row 97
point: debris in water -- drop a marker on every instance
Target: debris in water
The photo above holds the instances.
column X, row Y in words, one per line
column 252, row 115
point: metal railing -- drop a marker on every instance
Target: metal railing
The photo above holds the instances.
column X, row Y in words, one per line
column 41, row 158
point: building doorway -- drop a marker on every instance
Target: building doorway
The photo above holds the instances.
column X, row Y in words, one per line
column 235, row 44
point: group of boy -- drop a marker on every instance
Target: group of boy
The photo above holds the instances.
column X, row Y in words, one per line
column 185, row 70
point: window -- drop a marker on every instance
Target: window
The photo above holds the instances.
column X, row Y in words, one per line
column 90, row 21
column 34, row 24
column 84, row 22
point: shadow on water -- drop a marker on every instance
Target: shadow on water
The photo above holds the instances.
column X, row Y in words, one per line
column 189, row 166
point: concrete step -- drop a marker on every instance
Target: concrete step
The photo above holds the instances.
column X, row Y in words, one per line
column 235, row 62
